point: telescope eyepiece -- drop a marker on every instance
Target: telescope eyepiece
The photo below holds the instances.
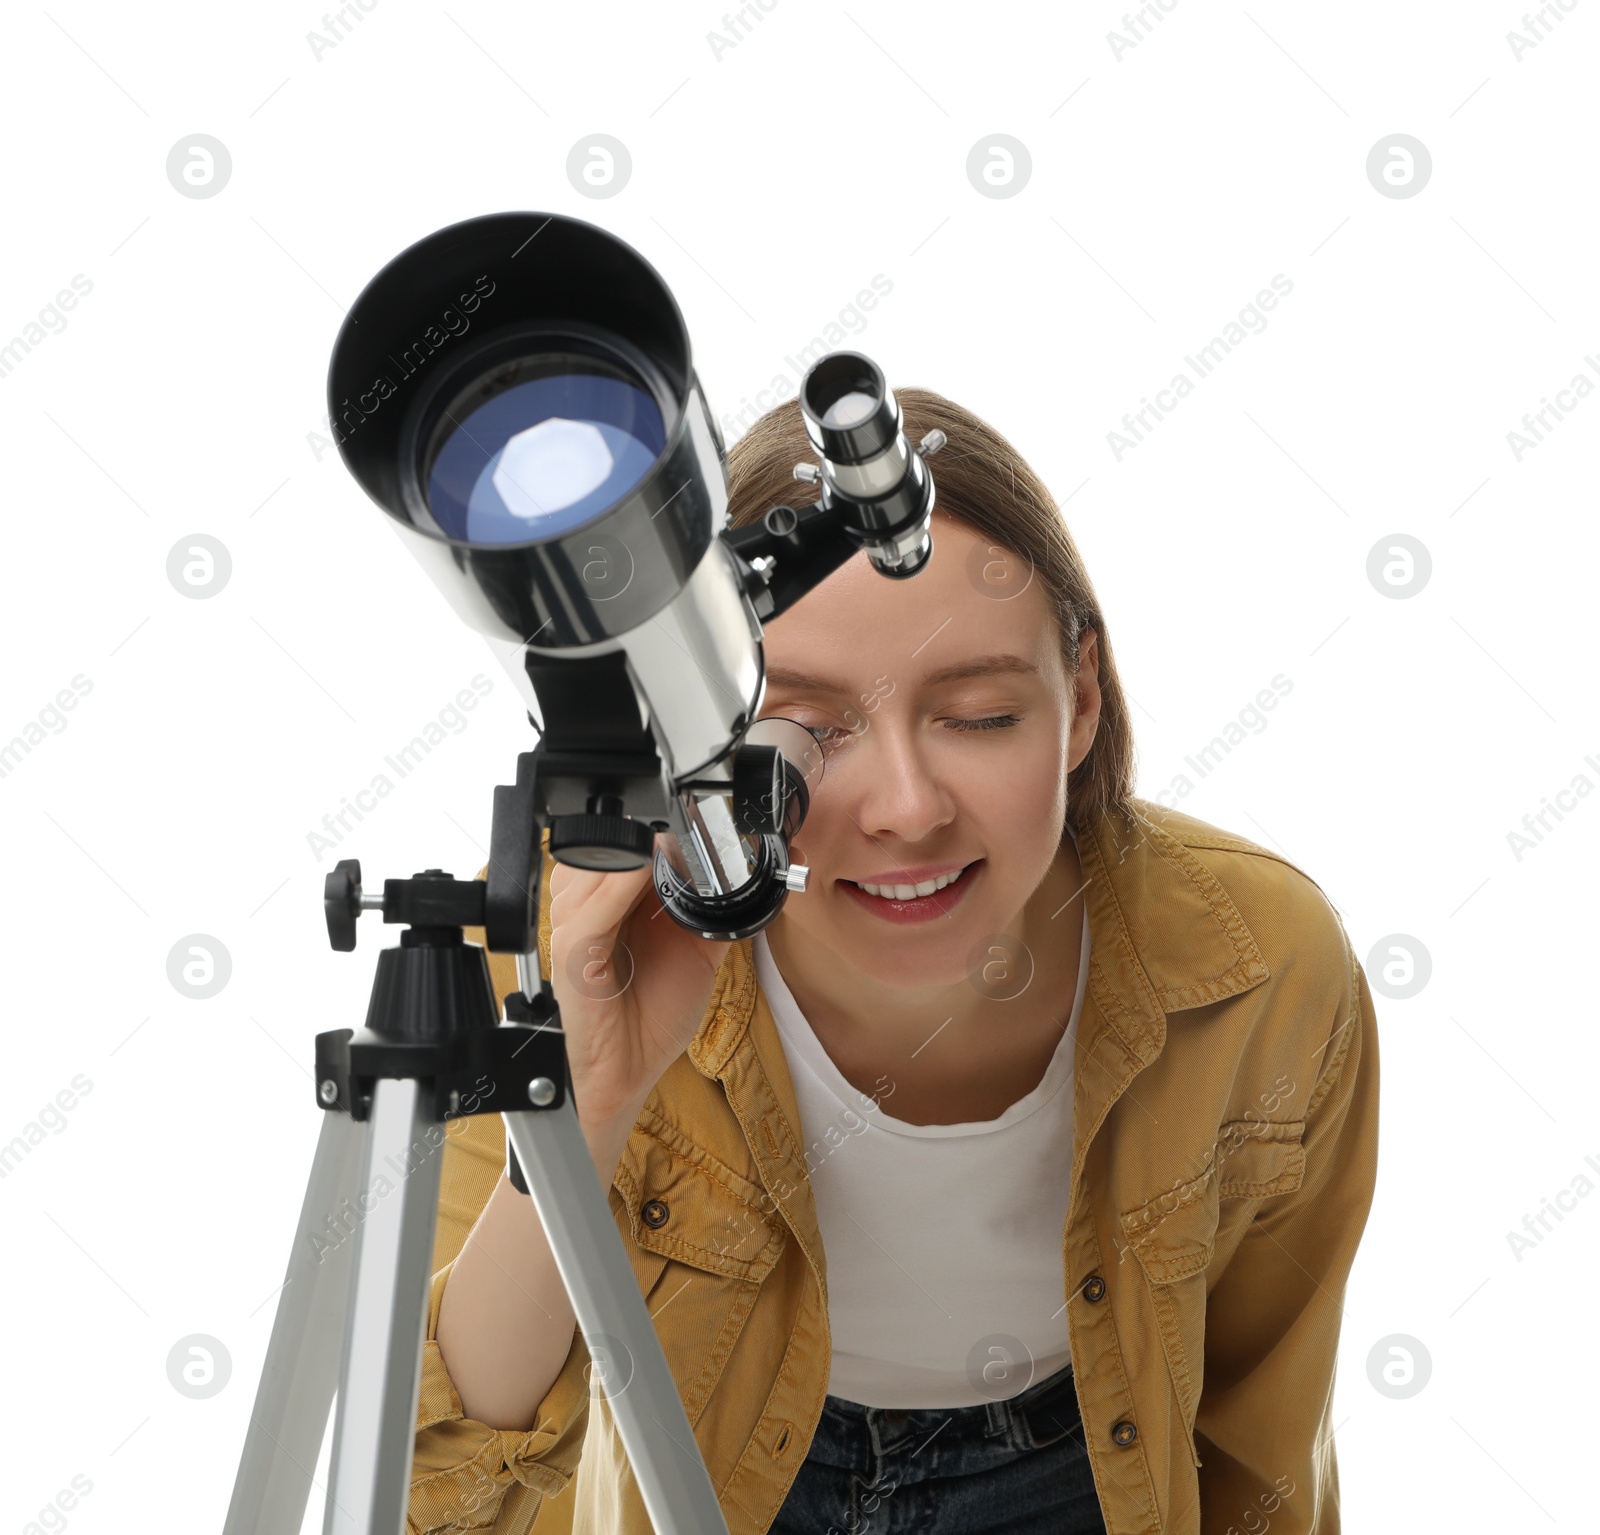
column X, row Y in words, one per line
column 851, row 417
column 853, row 421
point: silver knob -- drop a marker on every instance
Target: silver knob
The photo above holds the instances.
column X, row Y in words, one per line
column 807, row 473
column 932, row 442
column 541, row 1091
column 796, row 877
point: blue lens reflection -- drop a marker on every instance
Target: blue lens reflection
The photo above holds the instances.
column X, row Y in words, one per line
column 544, row 457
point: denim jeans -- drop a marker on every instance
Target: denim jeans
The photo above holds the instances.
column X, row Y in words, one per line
column 1020, row 1466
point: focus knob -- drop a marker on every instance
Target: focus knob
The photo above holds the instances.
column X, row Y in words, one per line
column 609, row 844
column 758, row 801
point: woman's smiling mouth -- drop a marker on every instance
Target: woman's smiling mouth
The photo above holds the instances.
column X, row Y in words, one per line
column 913, row 900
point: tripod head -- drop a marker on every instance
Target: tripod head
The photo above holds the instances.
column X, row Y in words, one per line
column 432, row 1015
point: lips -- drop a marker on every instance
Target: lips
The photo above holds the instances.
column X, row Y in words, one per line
column 918, row 908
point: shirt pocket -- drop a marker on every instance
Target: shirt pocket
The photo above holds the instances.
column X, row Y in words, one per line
column 705, row 1238
column 1174, row 1237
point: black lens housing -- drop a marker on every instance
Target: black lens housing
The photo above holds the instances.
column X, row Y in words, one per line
column 829, row 381
column 449, row 320
column 502, row 359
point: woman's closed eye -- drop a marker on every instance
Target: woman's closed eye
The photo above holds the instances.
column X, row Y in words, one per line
column 832, row 735
column 991, row 722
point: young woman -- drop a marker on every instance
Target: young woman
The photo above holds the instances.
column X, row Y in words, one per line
column 1010, row 1179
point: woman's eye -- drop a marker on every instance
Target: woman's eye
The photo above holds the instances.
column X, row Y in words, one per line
column 834, row 735
column 992, row 722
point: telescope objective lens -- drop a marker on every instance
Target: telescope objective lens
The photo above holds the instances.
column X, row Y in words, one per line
column 524, row 457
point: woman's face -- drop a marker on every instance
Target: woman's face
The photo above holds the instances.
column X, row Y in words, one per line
column 927, row 771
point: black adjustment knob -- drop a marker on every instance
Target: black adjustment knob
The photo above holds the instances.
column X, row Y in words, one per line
column 341, row 903
column 607, row 843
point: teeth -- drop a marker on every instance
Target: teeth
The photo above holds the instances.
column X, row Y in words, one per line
column 908, row 892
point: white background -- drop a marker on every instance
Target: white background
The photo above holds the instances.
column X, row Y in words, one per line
column 771, row 180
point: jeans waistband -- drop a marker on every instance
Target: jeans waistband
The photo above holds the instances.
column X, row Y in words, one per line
column 851, row 1431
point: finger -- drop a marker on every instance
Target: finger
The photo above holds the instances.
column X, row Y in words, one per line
column 602, row 902
column 582, row 883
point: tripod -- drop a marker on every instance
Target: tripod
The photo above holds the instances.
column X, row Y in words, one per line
column 352, row 1311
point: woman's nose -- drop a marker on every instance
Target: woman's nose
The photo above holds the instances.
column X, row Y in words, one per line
column 897, row 792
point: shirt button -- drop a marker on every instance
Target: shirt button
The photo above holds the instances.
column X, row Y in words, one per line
column 1124, row 1432
column 1094, row 1288
column 653, row 1212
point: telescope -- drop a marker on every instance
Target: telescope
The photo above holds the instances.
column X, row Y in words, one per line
column 517, row 394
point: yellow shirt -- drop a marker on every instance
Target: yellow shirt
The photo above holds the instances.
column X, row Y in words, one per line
column 1224, row 1158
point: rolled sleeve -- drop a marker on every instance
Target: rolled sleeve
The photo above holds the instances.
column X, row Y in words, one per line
column 466, row 1475
column 1264, row 1428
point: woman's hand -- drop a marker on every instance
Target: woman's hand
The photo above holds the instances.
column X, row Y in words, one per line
column 632, row 983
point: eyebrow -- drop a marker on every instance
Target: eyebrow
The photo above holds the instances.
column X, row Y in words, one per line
column 979, row 666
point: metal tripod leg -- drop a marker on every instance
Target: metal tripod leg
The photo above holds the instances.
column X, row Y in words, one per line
column 298, row 1378
column 623, row 1345
column 374, row 1432
column 359, row 1272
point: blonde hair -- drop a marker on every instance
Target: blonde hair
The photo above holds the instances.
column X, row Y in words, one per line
column 981, row 480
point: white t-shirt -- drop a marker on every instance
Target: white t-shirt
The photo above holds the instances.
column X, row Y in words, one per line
column 943, row 1242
